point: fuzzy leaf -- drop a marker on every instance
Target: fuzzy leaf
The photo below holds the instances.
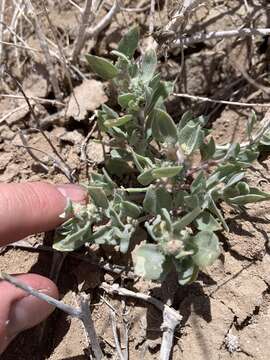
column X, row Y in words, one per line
column 163, row 127
column 198, row 184
column 129, row 42
column 157, row 199
column 187, row 219
column 146, row 177
column 208, row 149
column 102, row 67
column 76, row 237
column 186, row 117
column 99, row 197
column 142, row 163
column 152, row 98
column 148, row 261
column 251, row 122
column 130, row 209
column 191, row 137
column 255, row 195
column 187, row 270
column 124, row 99
column 265, row 139
column 118, row 122
column 211, row 205
column 149, row 64
column 104, row 235
column 207, row 248
column 166, row 171
column 206, row 222
column 247, row 156
column 150, row 200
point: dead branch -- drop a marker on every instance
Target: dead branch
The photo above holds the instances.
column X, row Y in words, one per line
column 152, row 16
column 34, row 98
column 2, row 11
column 84, row 156
column 10, row 113
column 93, row 32
column 181, row 15
column 171, row 317
column 115, row 335
column 86, row 318
column 71, row 311
column 86, row 16
column 200, row 37
column 30, row 152
column 225, row 102
column 82, row 313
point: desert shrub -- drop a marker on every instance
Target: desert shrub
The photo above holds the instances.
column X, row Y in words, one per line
column 178, row 175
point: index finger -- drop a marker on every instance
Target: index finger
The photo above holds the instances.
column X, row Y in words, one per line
column 30, row 208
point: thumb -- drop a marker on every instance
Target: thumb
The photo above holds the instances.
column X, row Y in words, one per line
column 33, row 207
column 20, row 311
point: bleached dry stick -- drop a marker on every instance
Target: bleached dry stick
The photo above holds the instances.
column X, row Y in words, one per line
column 115, row 336
column 171, row 317
column 200, row 37
column 225, row 102
column 10, row 113
column 152, row 16
column 71, row 311
column 93, row 32
column 34, row 98
column 86, row 16
column 19, row 46
column 181, row 15
column 83, row 313
column 2, row 11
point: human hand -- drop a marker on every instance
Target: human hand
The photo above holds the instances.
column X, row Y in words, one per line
column 26, row 209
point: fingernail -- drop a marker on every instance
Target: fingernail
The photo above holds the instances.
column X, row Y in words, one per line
column 73, row 192
column 26, row 313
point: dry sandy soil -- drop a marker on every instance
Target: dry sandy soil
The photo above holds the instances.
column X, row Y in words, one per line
column 226, row 311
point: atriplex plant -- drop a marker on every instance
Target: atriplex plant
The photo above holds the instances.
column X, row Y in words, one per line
column 176, row 201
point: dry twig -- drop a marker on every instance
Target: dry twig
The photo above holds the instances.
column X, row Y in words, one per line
column 86, row 16
column 200, row 37
column 225, row 102
column 115, row 336
column 2, row 11
column 181, row 16
column 171, row 317
column 94, row 31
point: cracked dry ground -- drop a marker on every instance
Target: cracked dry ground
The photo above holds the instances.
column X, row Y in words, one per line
column 225, row 313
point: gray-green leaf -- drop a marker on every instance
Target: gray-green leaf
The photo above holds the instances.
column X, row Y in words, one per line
column 148, row 261
column 163, row 127
column 129, row 42
column 206, row 222
column 102, row 67
column 149, row 64
column 207, row 248
column 191, row 137
column 99, row 197
column 118, row 122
